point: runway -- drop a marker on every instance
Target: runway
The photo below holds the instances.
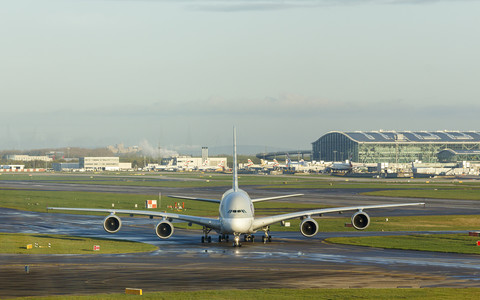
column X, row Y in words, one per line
column 183, row 263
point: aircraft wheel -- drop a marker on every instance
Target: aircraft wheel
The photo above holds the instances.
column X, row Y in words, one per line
column 203, row 239
column 209, row 239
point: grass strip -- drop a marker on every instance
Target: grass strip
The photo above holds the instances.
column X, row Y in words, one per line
column 451, row 243
column 392, row 293
column 16, row 243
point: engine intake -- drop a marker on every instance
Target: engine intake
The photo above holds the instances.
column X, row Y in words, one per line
column 112, row 224
column 309, row 227
column 164, row 229
column 360, row 220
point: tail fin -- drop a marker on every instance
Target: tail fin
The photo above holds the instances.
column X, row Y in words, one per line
column 275, row 163
column 235, row 175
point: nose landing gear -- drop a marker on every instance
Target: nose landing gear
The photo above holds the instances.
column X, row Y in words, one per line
column 236, row 241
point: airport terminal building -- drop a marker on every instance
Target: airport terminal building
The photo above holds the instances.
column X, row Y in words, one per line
column 397, row 146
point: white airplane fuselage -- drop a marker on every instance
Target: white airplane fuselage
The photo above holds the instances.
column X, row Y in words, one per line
column 236, row 212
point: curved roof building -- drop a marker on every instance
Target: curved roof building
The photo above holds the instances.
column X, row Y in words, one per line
column 392, row 146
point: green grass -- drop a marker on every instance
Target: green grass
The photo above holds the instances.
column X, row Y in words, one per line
column 413, row 294
column 39, row 200
column 16, row 243
column 452, row 243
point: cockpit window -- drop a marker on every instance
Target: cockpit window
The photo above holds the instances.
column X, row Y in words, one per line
column 237, row 211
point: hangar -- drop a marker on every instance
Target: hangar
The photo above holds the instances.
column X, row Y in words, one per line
column 393, row 146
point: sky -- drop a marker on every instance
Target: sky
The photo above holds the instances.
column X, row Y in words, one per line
column 181, row 74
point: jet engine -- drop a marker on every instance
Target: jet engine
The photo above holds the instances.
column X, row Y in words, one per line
column 309, row 227
column 360, row 220
column 164, row 229
column 112, row 224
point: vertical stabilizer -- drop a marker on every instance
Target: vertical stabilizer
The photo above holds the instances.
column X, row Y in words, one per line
column 235, row 175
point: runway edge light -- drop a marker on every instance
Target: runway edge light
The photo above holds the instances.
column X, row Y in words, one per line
column 129, row 291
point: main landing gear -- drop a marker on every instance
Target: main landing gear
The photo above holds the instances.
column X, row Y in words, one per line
column 206, row 237
column 267, row 237
column 249, row 238
column 223, row 237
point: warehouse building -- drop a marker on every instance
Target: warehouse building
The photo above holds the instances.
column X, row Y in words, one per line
column 68, row 166
column 396, row 146
column 99, row 163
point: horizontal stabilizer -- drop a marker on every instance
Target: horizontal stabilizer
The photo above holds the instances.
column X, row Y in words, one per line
column 194, row 198
column 276, row 197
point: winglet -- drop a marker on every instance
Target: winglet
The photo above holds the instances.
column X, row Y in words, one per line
column 235, row 175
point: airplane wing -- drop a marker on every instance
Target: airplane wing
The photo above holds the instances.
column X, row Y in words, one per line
column 265, row 221
column 203, row 221
column 275, row 197
column 194, row 198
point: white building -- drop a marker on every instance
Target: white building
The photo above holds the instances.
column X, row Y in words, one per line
column 100, row 163
column 17, row 157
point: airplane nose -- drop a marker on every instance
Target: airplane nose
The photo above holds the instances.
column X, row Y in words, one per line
column 239, row 225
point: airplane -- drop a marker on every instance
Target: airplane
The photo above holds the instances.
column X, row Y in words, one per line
column 341, row 166
column 206, row 166
column 278, row 165
column 295, row 164
column 236, row 215
column 253, row 166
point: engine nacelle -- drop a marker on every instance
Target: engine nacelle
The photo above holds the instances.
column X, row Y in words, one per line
column 164, row 229
column 309, row 227
column 360, row 220
column 112, row 224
